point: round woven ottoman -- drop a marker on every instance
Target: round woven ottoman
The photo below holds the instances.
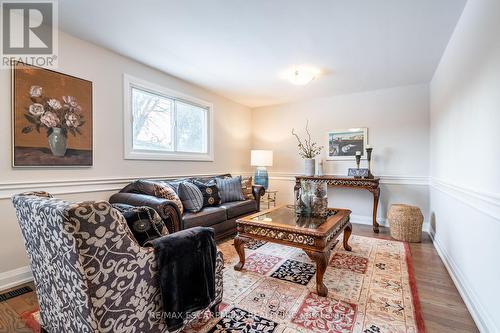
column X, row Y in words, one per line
column 405, row 222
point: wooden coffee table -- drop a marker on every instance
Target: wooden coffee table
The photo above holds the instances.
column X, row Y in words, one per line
column 316, row 236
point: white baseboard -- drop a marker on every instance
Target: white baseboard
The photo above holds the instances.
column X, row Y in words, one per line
column 367, row 220
column 15, row 277
column 483, row 321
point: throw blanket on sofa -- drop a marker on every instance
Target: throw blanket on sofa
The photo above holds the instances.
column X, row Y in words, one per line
column 186, row 262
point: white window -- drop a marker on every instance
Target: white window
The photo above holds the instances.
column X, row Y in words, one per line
column 162, row 124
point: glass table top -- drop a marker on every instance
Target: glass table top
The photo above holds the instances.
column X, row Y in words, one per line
column 286, row 216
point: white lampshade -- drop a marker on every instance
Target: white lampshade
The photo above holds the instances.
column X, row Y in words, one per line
column 261, row 158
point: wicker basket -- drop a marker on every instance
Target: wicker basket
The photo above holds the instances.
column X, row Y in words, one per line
column 405, row 222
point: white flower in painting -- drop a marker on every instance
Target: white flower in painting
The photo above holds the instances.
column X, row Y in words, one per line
column 70, row 100
column 54, row 104
column 36, row 109
column 71, row 103
column 72, row 119
column 36, row 91
column 50, row 119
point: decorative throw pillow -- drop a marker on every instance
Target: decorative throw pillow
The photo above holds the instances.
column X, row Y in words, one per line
column 175, row 183
column 247, row 187
column 39, row 194
column 166, row 192
column 191, row 197
column 144, row 222
column 210, row 193
column 230, row 189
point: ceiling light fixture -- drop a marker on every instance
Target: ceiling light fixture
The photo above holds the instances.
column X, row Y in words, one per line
column 302, row 75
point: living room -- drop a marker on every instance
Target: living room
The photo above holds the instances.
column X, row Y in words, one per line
column 321, row 150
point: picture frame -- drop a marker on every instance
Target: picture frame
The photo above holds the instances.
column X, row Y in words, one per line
column 343, row 144
column 52, row 118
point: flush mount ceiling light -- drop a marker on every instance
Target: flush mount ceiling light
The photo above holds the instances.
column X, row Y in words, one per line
column 302, row 75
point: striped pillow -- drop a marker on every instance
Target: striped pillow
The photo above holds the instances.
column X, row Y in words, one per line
column 191, row 197
column 230, row 189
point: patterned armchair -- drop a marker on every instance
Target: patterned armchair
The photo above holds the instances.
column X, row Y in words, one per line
column 90, row 274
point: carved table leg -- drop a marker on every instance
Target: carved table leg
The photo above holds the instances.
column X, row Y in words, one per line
column 321, row 259
column 347, row 234
column 376, row 194
column 239, row 245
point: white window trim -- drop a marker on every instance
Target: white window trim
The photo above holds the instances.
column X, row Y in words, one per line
column 135, row 154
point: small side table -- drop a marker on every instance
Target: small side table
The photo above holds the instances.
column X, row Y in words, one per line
column 269, row 198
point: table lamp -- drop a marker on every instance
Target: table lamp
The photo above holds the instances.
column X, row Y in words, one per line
column 261, row 159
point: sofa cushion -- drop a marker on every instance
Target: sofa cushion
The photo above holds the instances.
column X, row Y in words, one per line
column 210, row 192
column 162, row 190
column 144, row 222
column 246, row 187
column 230, row 189
column 174, row 183
column 237, row 208
column 205, row 218
column 191, row 197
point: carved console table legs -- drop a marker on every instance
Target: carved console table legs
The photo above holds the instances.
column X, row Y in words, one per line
column 376, row 195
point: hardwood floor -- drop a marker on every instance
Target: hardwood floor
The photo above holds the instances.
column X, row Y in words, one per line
column 442, row 307
column 12, row 309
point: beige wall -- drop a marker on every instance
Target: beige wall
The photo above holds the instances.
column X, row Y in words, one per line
column 465, row 160
column 105, row 69
column 398, row 129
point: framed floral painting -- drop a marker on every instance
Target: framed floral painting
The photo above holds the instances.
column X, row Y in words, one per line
column 51, row 118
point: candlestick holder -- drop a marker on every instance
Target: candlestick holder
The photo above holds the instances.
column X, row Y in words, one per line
column 358, row 173
column 369, row 158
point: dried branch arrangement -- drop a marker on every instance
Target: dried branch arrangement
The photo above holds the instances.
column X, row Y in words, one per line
column 307, row 148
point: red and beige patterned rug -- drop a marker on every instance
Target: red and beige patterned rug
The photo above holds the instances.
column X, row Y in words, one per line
column 371, row 290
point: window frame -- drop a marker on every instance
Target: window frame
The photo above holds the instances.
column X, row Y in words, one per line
column 130, row 82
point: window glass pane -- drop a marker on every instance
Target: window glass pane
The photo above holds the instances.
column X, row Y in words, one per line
column 191, row 128
column 152, row 121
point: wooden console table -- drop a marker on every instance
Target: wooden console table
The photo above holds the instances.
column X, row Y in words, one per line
column 370, row 184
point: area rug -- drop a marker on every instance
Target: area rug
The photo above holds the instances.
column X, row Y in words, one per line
column 371, row 290
column 32, row 320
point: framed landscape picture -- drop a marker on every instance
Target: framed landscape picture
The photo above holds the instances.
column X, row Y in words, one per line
column 51, row 118
column 344, row 143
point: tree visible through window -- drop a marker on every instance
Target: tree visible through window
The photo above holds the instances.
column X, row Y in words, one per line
column 167, row 124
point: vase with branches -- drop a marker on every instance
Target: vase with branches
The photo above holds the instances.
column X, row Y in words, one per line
column 308, row 150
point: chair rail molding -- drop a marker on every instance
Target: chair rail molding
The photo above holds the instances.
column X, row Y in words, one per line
column 384, row 179
column 485, row 202
column 71, row 186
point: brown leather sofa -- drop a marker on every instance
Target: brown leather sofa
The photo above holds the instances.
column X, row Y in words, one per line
column 222, row 218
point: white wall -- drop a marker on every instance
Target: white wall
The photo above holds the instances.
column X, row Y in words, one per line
column 110, row 171
column 398, row 129
column 465, row 160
